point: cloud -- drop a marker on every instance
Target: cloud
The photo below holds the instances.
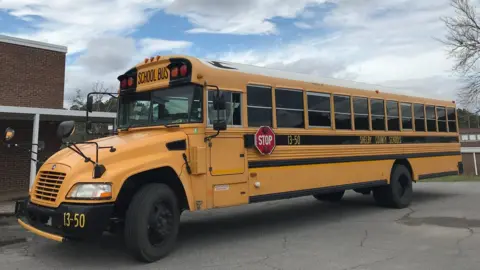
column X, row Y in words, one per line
column 75, row 23
column 386, row 43
column 108, row 57
column 237, row 17
column 152, row 46
column 303, row 25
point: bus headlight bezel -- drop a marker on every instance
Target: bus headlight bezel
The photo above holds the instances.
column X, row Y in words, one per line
column 90, row 191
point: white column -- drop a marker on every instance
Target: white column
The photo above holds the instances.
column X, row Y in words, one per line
column 33, row 164
column 475, row 163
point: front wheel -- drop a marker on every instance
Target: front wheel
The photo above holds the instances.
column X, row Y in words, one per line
column 152, row 223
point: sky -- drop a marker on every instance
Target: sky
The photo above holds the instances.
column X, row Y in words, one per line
column 391, row 43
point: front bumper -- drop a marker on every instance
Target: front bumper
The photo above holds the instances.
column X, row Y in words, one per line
column 68, row 221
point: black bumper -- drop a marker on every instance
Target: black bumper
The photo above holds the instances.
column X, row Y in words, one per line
column 69, row 221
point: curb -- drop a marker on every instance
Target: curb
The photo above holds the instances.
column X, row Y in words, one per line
column 7, row 214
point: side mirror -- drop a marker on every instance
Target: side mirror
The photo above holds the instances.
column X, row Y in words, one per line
column 9, row 134
column 219, row 103
column 65, row 129
column 219, row 125
column 90, row 104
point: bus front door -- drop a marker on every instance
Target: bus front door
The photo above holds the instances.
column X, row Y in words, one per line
column 227, row 176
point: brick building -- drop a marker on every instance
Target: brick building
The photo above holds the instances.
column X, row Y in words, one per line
column 31, row 102
column 470, row 142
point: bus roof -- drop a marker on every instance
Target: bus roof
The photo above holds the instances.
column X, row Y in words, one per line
column 293, row 76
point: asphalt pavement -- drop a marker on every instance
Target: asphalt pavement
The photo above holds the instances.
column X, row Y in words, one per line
column 439, row 231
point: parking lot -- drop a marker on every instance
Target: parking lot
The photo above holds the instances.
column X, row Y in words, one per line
column 438, row 231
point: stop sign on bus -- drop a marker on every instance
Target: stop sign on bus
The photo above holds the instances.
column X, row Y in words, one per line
column 265, row 140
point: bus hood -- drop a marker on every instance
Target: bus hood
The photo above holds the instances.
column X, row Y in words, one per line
column 129, row 145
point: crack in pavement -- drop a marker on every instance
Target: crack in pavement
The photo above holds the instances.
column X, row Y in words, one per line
column 459, row 241
column 362, row 242
column 371, row 263
column 407, row 215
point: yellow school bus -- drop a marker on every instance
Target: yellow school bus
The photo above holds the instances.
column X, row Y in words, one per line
column 196, row 134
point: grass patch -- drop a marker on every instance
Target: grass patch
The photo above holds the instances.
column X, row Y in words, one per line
column 454, row 178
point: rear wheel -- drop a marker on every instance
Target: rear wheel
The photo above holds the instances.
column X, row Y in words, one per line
column 330, row 197
column 398, row 194
column 152, row 223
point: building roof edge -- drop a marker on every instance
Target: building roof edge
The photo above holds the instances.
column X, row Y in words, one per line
column 33, row 44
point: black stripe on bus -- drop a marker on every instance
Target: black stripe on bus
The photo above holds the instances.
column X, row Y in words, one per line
column 351, row 140
column 435, row 175
column 308, row 192
column 313, row 161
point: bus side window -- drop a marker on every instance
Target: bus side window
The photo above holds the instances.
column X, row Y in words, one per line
column 452, row 120
column 393, row 116
column 319, row 112
column 342, row 108
column 259, row 106
column 442, row 119
column 289, row 104
column 407, row 123
column 377, row 106
column 360, row 111
column 233, row 112
column 419, row 111
column 431, row 119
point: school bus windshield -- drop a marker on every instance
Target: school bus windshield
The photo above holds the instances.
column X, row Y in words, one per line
column 175, row 105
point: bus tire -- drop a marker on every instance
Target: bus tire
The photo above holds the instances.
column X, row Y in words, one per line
column 152, row 223
column 398, row 194
column 330, row 197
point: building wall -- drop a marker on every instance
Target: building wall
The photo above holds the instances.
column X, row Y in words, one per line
column 15, row 162
column 31, row 77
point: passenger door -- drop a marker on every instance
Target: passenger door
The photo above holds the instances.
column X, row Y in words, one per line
column 227, row 175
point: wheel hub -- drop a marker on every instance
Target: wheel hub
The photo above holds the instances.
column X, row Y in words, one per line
column 160, row 223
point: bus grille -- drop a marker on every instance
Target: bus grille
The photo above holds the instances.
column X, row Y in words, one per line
column 48, row 185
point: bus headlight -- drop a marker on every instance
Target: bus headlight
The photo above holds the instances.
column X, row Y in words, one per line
column 90, row 191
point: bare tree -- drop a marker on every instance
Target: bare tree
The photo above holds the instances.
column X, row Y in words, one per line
column 463, row 42
column 101, row 103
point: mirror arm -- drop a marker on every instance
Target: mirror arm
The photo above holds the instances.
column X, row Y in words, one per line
column 76, row 150
column 209, row 138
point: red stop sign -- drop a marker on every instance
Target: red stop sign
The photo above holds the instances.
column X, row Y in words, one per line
column 265, row 140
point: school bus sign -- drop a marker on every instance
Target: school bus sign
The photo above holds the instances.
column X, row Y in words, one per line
column 265, row 140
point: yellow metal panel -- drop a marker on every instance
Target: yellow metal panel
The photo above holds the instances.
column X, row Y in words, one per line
column 225, row 157
column 198, row 160
column 291, row 178
column 230, row 194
